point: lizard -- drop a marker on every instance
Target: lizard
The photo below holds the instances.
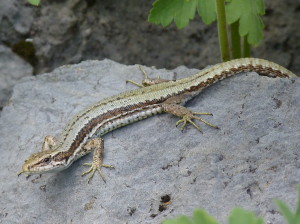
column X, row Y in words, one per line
column 84, row 132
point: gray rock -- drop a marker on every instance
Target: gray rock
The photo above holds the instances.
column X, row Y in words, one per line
column 70, row 31
column 12, row 69
column 253, row 158
column 16, row 18
column 67, row 32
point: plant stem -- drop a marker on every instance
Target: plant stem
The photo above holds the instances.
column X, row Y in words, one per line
column 223, row 38
column 235, row 40
column 247, row 47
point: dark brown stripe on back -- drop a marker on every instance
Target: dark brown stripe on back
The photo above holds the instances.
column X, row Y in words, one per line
column 97, row 120
column 265, row 71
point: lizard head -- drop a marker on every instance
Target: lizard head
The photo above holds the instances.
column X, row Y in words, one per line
column 45, row 161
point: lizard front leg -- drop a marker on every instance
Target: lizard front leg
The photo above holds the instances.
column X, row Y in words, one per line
column 49, row 143
column 97, row 145
column 172, row 106
column 147, row 81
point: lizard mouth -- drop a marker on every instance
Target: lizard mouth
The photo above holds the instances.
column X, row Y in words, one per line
column 28, row 169
column 25, row 169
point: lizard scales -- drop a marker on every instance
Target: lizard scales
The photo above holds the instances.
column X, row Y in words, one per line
column 131, row 106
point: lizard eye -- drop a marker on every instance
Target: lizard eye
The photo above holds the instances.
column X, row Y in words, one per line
column 46, row 160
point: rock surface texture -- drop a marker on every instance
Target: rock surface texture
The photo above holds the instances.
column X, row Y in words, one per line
column 12, row 69
column 252, row 159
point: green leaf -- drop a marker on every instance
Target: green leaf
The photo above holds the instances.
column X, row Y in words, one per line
column 239, row 215
column 298, row 203
column 34, row 2
column 165, row 11
column 207, row 10
column 287, row 213
column 199, row 217
column 180, row 220
column 248, row 13
column 181, row 11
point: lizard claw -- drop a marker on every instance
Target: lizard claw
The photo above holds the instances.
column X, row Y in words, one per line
column 188, row 118
column 93, row 168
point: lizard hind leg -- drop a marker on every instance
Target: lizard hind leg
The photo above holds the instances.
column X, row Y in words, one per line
column 97, row 145
column 186, row 115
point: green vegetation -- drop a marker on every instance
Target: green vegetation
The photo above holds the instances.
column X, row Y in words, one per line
column 290, row 217
column 239, row 215
column 243, row 17
column 199, row 216
column 34, row 2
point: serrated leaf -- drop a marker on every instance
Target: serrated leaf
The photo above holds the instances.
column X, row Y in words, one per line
column 34, row 2
column 248, row 13
column 207, row 10
column 165, row 11
column 239, row 215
